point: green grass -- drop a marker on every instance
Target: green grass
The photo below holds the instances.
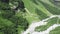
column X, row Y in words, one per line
column 42, row 9
column 50, row 23
column 55, row 31
column 36, row 10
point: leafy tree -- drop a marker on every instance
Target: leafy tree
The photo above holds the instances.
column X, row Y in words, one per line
column 9, row 22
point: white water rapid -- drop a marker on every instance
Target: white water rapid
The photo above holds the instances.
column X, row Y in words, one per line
column 32, row 27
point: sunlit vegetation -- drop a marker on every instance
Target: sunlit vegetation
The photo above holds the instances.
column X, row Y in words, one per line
column 16, row 17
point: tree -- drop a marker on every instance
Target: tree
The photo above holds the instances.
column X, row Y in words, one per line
column 9, row 20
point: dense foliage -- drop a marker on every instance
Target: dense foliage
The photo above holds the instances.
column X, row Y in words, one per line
column 16, row 15
column 10, row 23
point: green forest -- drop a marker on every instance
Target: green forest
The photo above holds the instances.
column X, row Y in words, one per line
column 17, row 15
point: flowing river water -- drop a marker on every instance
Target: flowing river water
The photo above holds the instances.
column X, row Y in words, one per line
column 31, row 28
